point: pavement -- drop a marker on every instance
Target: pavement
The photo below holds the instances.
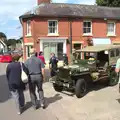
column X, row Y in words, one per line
column 101, row 103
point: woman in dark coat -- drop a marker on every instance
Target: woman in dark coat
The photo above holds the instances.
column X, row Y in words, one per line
column 16, row 86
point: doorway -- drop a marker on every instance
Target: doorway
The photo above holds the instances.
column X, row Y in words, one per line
column 53, row 47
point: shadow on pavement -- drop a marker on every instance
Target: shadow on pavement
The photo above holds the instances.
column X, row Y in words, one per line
column 4, row 90
column 53, row 99
column 48, row 101
column 27, row 106
column 98, row 86
column 118, row 100
column 47, row 75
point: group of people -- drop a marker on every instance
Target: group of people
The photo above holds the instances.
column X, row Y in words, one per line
column 34, row 68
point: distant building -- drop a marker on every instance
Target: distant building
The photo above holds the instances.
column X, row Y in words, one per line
column 58, row 28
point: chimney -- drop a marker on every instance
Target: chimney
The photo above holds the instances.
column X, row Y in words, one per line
column 44, row 1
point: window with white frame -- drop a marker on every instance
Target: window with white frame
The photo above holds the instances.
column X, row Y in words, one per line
column 28, row 31
column 87, row 27
column 111, row 28
column 52, row 27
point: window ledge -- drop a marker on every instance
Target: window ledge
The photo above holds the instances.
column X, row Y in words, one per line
column 29, row 35
column 111, row 35
column 53, row 34
column 88, row 34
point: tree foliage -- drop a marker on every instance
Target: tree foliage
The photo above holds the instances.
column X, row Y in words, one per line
column 2, row 35
column 10, row 42
column 109, row 3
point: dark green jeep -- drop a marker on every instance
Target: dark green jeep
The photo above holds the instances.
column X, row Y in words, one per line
column 91, row 64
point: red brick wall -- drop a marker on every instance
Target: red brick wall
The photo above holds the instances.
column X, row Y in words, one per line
column 40, row 29
column 43, row 1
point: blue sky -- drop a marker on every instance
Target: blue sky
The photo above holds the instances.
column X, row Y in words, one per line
column 10, row 10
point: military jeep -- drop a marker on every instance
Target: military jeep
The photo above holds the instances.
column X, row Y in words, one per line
column 91, row 64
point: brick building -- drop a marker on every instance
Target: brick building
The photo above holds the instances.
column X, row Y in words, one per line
column 58, row 28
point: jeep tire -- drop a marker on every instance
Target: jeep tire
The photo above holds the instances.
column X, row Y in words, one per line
column 81, row 88
column 57, row 87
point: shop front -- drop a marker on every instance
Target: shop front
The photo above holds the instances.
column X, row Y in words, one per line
column 53, row 45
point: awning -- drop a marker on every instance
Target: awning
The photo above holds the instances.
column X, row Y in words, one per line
column 101, row 41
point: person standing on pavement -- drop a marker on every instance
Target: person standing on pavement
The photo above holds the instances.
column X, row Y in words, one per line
column 36, row 73
column 16, row 86
column 53, row 64
column 65, row 59
column 117, row 70
column 41, row 57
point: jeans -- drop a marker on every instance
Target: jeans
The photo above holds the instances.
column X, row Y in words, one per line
column 18, row 96
column 32, row 88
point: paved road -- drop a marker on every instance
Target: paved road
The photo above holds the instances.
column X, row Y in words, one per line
column 102, row 103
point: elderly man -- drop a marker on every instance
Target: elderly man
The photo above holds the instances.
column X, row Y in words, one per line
column 36, row 73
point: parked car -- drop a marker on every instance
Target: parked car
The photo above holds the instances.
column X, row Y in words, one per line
column 97, row 63
column 5, row 57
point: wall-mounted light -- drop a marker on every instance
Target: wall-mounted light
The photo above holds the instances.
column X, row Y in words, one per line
column 105, row 18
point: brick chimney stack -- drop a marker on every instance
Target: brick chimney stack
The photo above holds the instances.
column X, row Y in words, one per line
column 44, row 1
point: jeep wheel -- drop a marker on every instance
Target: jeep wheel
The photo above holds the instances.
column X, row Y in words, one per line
column 113, row 78
column 57, row 87
column 81, row 88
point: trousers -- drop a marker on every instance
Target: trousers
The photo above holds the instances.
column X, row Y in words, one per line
column 18, row 96
column 33, row 84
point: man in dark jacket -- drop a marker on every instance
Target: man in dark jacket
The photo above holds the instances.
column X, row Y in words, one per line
column 16, row 86
column 36, row 73
column 53, row 64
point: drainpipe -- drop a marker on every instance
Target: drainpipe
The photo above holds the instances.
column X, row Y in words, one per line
column 70, row 37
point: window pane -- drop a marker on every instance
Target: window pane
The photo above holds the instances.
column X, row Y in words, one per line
column 53, row 23
column 111, row 27
column 28, row 27
column 87, row 27
column 53, row 30
column 88, row 30
column 85, row 24
column 50, row 23
column 50, row 30
column 84, row 30
column 89, row 24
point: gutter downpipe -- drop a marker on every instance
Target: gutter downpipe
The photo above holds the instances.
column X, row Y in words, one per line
column 70, row 37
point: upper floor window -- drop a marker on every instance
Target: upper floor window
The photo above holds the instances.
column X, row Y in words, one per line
column 87, row 28
column 52, row 27
column 111, row 28
column 28, row 32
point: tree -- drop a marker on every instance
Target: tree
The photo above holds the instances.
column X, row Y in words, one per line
column 109, row 3
column 11, row 42
column 3, row 37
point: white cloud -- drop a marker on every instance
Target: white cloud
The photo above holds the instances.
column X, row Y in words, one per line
column 10, row 10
